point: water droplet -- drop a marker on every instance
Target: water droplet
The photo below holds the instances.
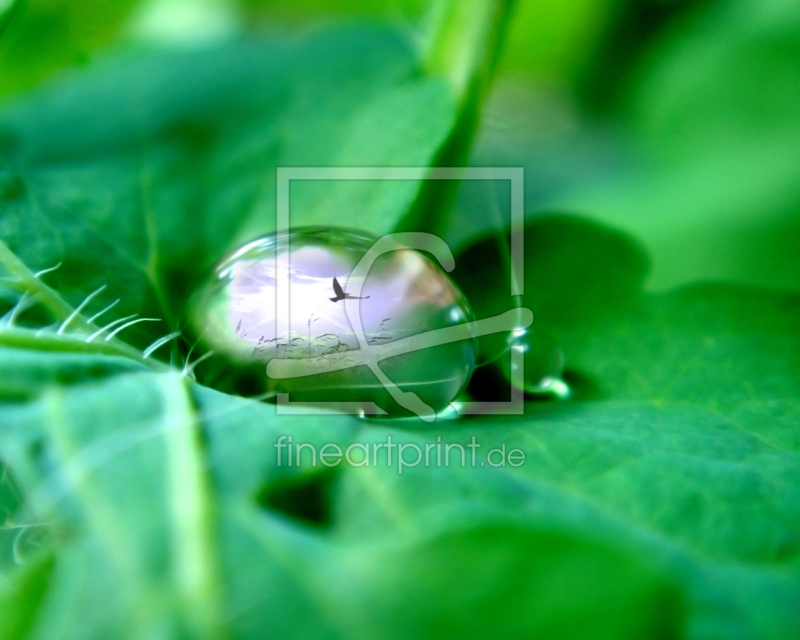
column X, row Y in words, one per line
column 404, row 296
column 542, row 363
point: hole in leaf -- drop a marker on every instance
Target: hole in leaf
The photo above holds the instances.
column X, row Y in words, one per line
column 488, row 385
column 306, row 498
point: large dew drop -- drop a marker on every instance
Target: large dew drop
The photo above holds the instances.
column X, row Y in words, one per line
column 327, row 320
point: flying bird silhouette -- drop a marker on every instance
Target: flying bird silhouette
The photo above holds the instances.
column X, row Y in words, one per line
column 341, row 295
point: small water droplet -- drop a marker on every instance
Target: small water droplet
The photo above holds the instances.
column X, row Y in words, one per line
column 403, row 296
column 542, row 363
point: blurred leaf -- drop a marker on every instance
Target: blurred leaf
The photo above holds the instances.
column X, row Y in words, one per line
column 183, row 23
column 695, row 154
column 21, row 595
column 66, row 33
column 140, row 174
column 630, row 31
column 487, row 577
column 9, row 506
column 554, row 41
column 23, row 374
column 512, row 580
column 575, row 272
column 314, row 9
column 714, row 109
column 141, row 513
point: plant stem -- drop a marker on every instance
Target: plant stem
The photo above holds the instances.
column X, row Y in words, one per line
column 23, row 279
column 29, row 339
column 49, row 298
column 463, row 46
column 464, row 43
column 8, row 10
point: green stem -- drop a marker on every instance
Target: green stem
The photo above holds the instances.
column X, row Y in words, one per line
column 23, row 279
column 193, row 559
column 49, row 298
column 8, row 11
column 464, row 41
column 28, row 339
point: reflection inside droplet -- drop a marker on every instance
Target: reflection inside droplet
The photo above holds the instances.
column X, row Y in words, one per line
column 404, row 294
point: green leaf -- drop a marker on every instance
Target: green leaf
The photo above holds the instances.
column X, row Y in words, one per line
column 660, row 501
column 140, row 173
column 685, row 425
column 731, row 350
column 469, row 581
column 574, row 270
column 684, row 438
column 71, row 333
column 516, row 580
column 125, row 472
column 24, row 374
column 674, row 469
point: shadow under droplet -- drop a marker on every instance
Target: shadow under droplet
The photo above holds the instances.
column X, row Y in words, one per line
column 583, row 386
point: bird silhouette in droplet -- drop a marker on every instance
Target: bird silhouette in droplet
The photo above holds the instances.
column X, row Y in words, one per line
column 341, row 295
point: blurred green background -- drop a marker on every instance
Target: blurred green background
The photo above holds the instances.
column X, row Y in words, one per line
column 676, row 120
